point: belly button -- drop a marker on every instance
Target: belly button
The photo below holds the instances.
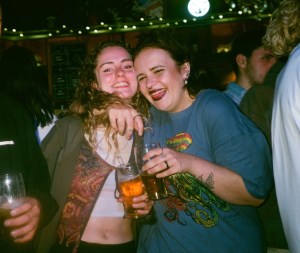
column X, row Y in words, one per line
column 105, row 235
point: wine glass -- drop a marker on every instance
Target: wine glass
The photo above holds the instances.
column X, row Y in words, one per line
column 12, row 195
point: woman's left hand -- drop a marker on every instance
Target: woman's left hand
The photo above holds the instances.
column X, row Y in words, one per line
column 24, row 220
column 224, row 182
column 166, row 162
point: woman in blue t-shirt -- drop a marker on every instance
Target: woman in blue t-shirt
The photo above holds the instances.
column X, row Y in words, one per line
column 216, row 162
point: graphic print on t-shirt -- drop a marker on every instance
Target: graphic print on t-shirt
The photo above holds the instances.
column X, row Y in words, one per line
column 188, row 194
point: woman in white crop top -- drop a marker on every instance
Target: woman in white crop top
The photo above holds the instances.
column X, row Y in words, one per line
column 91, row 218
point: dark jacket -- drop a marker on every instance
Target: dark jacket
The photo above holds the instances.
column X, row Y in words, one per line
column 25, row 157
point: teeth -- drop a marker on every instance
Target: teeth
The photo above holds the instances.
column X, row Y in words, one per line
column 122, row 84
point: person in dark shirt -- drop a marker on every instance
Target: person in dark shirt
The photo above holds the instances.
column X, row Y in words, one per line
column 258, row 100
column 24, row 80
column 20, row 153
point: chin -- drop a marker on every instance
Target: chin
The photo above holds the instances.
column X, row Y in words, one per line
column 125, row 95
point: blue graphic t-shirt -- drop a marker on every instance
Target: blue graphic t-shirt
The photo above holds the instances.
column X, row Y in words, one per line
column 193, row 219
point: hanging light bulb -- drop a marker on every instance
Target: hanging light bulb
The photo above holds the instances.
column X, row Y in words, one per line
column 198, row 8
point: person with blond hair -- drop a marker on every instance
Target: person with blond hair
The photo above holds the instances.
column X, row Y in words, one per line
column 283, row 38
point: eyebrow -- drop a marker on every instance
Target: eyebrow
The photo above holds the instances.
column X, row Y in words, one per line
column 268, row 55
column 111, row 62
column 157, row 66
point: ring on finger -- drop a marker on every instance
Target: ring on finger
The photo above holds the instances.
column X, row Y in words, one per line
column 167, row 165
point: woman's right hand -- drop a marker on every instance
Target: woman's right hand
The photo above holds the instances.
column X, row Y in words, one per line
column 141, row 203
column 125, row 119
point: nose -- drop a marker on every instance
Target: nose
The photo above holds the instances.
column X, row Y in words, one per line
column 119, row 72
column 151, row 80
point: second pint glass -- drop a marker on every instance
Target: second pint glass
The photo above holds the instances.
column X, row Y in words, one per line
column 155, row 187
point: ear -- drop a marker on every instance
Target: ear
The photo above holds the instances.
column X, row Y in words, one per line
column 241, row 61
column 185, row 69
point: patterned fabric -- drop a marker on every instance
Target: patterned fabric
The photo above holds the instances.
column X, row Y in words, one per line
column 191, row 195
column 195, row 199
column 90, row 174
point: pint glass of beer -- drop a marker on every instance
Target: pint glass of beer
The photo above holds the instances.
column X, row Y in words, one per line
column 155, row 187
column 12, row 194
column 130, row 185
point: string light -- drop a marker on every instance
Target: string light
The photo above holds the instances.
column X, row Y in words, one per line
column 246, row 6
column 231, row 16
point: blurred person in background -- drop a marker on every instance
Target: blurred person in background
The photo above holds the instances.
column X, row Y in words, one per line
column 283, row 38
column 22, row 79
column 251, row 62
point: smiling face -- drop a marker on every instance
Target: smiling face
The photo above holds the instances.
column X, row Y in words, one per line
column 161, row 81
column 115, row 72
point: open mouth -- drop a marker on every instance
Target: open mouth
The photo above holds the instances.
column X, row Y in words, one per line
column 157, row 94
column 121, row 85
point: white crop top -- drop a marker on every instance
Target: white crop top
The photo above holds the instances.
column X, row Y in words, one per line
column 107, row 205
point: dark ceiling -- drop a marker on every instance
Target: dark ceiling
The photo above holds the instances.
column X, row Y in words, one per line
column 35, row 14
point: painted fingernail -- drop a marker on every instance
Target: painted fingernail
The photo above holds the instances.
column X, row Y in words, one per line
column 6, row 223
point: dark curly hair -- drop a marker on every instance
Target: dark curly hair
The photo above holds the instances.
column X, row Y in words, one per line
column 22, row 79
column 176, row 48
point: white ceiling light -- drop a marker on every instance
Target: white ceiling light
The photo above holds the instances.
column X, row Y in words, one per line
column 198, row 8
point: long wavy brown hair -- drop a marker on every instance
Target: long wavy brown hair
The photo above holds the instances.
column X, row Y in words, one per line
column 283, row 31
column 91, row 104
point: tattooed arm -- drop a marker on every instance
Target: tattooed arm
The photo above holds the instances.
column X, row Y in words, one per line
column 225, row 183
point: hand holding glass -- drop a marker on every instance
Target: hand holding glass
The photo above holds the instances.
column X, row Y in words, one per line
column 130, row 185
column 12, row 195
column 155, row 187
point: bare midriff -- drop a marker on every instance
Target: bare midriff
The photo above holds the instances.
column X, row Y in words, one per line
column 108, row 230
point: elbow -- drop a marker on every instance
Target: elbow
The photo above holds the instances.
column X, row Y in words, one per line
column 251, row 200
column 257, row 202
column 257, row 193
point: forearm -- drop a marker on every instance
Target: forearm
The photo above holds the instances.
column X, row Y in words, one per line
column 225, row 183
